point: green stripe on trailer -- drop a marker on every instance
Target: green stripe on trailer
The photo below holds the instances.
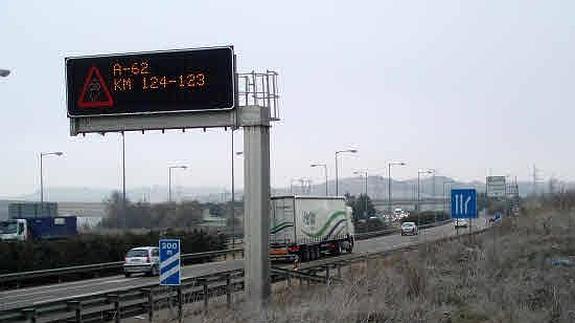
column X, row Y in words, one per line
column 281, row 227
column 319, row 233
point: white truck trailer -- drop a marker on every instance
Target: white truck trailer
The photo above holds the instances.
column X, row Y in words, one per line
column 308, row 227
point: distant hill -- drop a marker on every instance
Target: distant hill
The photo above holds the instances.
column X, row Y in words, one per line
column 377, row 189
column 152, row 194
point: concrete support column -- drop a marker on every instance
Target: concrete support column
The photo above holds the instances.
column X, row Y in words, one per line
column 256, row 124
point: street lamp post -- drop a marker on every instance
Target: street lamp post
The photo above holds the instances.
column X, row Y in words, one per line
column 389, row 181
column 239, row 153
column 56, row 153
column 353, row 151
column 417, row 206
column 170, row 179
column 295, row 179
column 324, row 173
column 366, row 176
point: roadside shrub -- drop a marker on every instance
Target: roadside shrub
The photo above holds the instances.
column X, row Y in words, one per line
column 93, row 248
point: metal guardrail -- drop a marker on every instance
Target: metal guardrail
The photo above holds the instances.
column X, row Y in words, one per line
column 373, row 234
column 117, row 265
column 107, row 266
column 146, row 299
column 149, row 298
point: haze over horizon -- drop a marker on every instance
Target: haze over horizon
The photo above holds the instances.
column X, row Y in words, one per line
column 465, row 88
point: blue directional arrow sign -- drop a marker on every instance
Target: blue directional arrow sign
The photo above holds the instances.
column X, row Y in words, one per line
column 463, row 203
column 170, row 262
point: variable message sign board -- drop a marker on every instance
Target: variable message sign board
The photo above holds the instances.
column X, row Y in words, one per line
column 151, row 82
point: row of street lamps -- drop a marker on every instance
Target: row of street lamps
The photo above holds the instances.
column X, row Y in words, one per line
column 59, row 153
column 353, row 151
column 365, row 173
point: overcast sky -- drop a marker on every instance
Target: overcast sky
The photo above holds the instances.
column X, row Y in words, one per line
column 460, row 86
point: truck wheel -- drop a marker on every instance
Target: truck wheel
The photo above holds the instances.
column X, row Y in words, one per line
column 127, row 274
column 154, row 271
column 350, row 248
column 337, row 250
column 305, row 254
column 316, row 254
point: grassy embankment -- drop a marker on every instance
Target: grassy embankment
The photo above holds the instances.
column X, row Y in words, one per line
column 506, row 274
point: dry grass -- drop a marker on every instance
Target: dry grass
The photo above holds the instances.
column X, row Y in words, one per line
column 503, row 275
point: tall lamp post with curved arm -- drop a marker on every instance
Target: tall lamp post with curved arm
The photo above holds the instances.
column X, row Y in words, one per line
column 324, row 173
column 419, row 172
column 353, row 151
column 42, row 155
column 170, row 179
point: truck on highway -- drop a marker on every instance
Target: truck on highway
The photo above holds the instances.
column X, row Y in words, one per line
column 22, row 210
column 307, row 227
column 38, row 228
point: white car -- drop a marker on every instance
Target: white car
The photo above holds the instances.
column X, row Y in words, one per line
column 408, row 228
column 142, row 260
column 461, row 223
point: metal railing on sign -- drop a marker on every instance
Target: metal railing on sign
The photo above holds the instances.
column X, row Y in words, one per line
column 259, row 89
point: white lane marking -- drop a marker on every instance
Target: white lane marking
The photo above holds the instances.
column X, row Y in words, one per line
column 60, row 285
column 52, row 289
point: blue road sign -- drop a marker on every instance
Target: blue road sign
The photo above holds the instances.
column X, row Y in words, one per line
column 170, row 262
column 463, row 203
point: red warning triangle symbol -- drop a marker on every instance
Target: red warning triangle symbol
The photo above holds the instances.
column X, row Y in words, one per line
column 95, row 93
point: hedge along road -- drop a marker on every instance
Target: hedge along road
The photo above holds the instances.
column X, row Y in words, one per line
column 19, row 298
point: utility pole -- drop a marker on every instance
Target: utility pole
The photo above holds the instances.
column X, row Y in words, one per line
column 364, row 173
column 336, row 169
column 170, row 179
column 418, row 207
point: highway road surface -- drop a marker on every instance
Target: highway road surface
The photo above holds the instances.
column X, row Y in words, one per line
column 29, row 296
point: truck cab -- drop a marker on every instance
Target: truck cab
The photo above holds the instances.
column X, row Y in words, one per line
column 13, row 230
column 39, row 228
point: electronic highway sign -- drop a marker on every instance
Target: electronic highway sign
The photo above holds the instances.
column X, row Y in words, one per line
column 151, row 82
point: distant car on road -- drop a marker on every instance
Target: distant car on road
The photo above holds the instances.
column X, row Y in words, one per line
column 495, row 218
column 142, row 260
column 461, row 223
column 408, row 228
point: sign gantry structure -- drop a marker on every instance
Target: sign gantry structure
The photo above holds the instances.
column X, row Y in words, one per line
column 186, row 89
